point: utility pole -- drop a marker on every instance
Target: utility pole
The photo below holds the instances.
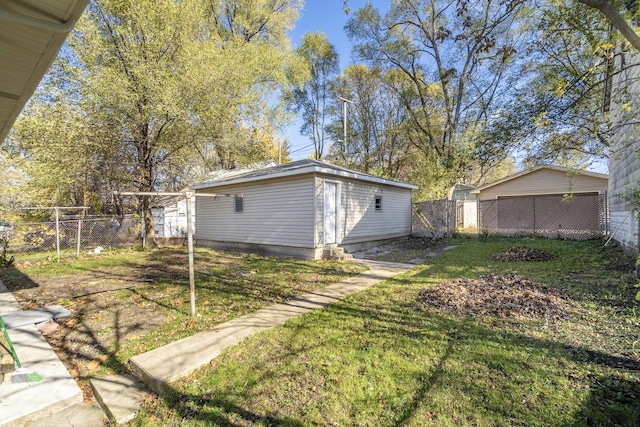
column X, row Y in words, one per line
column 279, row 152
column 344, row 125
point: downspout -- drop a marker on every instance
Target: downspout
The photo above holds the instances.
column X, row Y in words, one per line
column 57, row 27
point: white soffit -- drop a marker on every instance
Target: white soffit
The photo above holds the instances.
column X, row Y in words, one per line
column 31, row 34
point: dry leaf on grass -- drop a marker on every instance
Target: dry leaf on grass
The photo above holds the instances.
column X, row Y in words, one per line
column 499, row 296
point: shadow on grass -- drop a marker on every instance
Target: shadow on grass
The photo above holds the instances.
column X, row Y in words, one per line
column 613, row 399
column 219, row 411
column 16, row 280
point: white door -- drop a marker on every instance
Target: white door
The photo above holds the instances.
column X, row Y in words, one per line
column 330, row 213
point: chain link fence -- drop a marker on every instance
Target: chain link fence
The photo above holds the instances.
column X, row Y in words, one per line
column 581, row 216
column 435, row 218
column 71, row 236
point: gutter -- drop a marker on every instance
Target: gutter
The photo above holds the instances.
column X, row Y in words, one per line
column 300, row 171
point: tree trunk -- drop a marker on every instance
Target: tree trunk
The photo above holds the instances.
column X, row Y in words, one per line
column 146, row 171
column 149, row 229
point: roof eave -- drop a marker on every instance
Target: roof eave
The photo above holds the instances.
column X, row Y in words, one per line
column 301, row 171
column 526, row 172
column 56, row 35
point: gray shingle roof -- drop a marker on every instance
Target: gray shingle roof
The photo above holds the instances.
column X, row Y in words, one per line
column 297, row 168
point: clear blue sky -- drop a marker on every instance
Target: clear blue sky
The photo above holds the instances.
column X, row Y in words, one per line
column 326, row 16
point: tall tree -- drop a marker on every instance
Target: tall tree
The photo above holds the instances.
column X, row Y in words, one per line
column 172, row 85
column 564, row 112
column 456, row 54
column 65, row 160
column 377, row 140
column 617, row 18
column 313, row 99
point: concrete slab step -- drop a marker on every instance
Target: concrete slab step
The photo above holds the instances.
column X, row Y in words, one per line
column 23, row 403
column 31, row 317
column 81, row 414
column 336, row 252
column 120, row 396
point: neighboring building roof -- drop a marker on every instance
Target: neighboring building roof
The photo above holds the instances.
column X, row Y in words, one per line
column 459, row 188
column 31, row 34
column 229, row 173
column 550, row 167
column 463, row 187
column 166, row 201
column 298, row 168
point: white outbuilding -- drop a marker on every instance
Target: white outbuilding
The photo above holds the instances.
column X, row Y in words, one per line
column 304, row 209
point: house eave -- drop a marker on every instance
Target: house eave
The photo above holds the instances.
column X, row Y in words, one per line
column 37, row 35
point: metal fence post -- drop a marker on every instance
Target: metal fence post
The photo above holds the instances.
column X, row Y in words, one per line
column 606, row 214
column 79, row 232
column 57, row 211
column 533, row 207
column 192, row 285
column 447, row 215
column 478, row 216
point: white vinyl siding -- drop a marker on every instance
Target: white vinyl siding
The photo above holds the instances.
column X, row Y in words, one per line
column 360, row 221
column 624, row 163
column 545, row 181
column 171, row 220
column 275, row 212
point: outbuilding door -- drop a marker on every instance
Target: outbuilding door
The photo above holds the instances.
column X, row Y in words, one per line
column 331, row 210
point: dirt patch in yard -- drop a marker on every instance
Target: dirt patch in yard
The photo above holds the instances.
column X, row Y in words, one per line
column 126, row 303
column 496, row 295
column 406, row 249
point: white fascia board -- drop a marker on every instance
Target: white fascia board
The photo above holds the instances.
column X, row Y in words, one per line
column 308, row 169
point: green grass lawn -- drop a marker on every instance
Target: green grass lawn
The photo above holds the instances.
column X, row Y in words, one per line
column 126, row 302
column 378, row 359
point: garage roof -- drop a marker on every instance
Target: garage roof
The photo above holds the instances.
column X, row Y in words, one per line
column 550, row 167
column 31, row 34
column 298, row 168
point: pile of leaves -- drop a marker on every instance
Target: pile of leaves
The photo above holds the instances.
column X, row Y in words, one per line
column 500, row 296
column 521, row 253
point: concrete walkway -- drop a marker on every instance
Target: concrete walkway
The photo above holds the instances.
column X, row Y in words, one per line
column 180, row 358
column 121, row 395
column 21, row 403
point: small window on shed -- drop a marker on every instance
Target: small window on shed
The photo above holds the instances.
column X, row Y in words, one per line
column 239, row 204
column 378, row 203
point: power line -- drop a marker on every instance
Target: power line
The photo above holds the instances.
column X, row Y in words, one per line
column 301, row 149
